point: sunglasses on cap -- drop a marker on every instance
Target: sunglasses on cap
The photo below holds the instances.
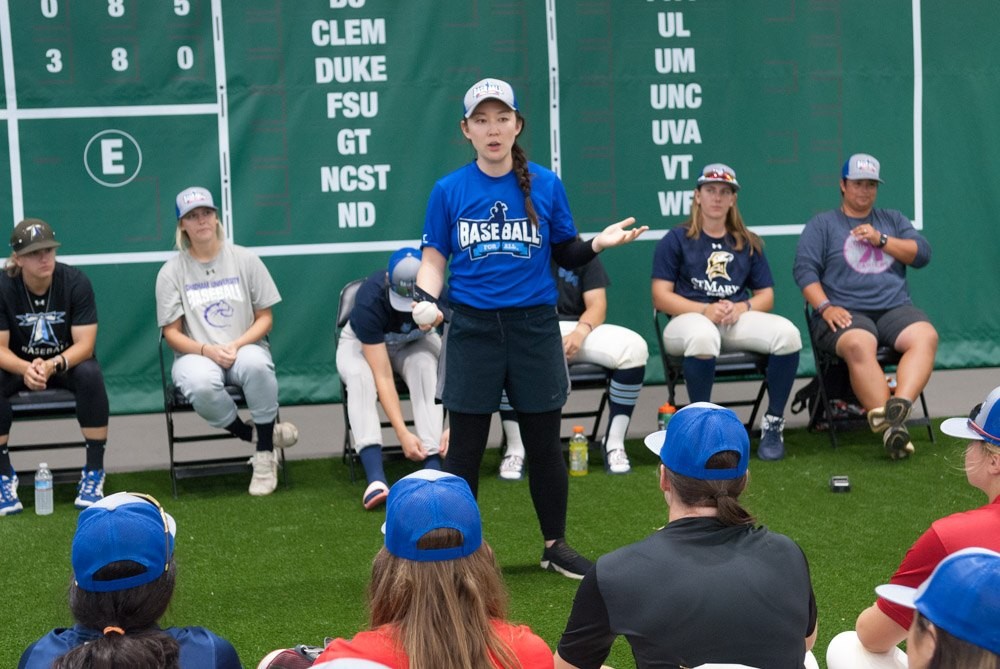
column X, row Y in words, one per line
column 718, row 174
column 974, row 426
column 166, row 525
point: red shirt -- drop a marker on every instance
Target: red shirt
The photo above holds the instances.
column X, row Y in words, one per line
column 379, row 645
column 979, row 527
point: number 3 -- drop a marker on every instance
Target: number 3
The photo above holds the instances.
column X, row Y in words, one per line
column 55, row 60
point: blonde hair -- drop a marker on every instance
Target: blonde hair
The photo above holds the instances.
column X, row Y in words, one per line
column 181, row 240
column 11, row 267
column 443, row 612
column 734, row 226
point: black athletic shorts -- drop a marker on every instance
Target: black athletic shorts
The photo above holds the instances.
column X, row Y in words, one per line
column 487, row 351
column 885, row 325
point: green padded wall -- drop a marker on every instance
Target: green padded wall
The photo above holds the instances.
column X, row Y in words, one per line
column 322, row 125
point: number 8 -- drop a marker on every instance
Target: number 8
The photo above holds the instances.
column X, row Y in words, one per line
column 116, row 8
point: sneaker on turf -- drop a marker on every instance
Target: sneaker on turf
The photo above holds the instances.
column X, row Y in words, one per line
column 375, row 495
column 893, row 414
column 265, row 473
column 772, row 440
column 562, row 559
column 9, row 503
column 897, row 443
column 512, row 468
column 90, row 490
column 616, row 461
column 286, row 435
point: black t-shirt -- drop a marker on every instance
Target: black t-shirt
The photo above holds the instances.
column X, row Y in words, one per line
column 40, row 327
column 573, row 283
column 696, row 592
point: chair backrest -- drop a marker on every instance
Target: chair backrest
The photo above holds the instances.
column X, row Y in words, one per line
column 347, row 295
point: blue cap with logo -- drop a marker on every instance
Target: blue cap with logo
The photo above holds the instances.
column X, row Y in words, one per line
column 961, row 596
column 694, row 435
column 428, row 500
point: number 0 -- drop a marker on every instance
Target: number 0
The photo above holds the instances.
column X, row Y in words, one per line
column 185, row 57
column 50, row 8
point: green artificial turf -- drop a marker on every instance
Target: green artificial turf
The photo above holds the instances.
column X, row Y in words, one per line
column 292, row 568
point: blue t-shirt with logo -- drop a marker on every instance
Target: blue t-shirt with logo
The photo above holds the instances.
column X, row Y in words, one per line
column 706, row 269
column 498, row 258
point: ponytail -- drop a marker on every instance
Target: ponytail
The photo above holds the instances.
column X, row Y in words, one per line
column 524, row 179
column 151, row 649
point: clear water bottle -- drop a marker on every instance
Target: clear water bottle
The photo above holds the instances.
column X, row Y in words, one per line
column 579, row 450
column 43, row 490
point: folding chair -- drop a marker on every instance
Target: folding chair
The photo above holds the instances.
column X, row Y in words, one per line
column 587, row 376
column 174, row 402
column 51, row 403
column 826, row 365
column 729, row 366
column 350, row 454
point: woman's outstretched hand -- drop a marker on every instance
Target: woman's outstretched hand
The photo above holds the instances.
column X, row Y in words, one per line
column 617, row 234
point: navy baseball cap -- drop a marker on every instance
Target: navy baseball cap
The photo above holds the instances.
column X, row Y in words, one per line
column 489, row 89
column 192, row 198
column 694, row 435
column 32, row 234
column 861, row 166
column 428, row 500
column 403, row 267
column 983, row 423
column 719, row 173
column 122, row 526
column 961, row 596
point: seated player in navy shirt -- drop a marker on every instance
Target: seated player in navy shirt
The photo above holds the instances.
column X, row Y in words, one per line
column 381, row 338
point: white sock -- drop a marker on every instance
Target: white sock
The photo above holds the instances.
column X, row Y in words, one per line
column 512, row 433
column 616, row 433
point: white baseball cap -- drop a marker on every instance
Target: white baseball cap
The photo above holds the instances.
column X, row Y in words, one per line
column 489, row 89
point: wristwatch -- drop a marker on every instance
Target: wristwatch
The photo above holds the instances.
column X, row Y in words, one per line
column 883, row 240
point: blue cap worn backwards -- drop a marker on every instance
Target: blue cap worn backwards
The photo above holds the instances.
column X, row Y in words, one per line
column 694, row 435
column 429, row 500
column 122, row 526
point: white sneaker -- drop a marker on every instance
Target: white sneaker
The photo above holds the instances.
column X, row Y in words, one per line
column 616, row 460
column 512, row 468
column 265, row 473
column 286, row 435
